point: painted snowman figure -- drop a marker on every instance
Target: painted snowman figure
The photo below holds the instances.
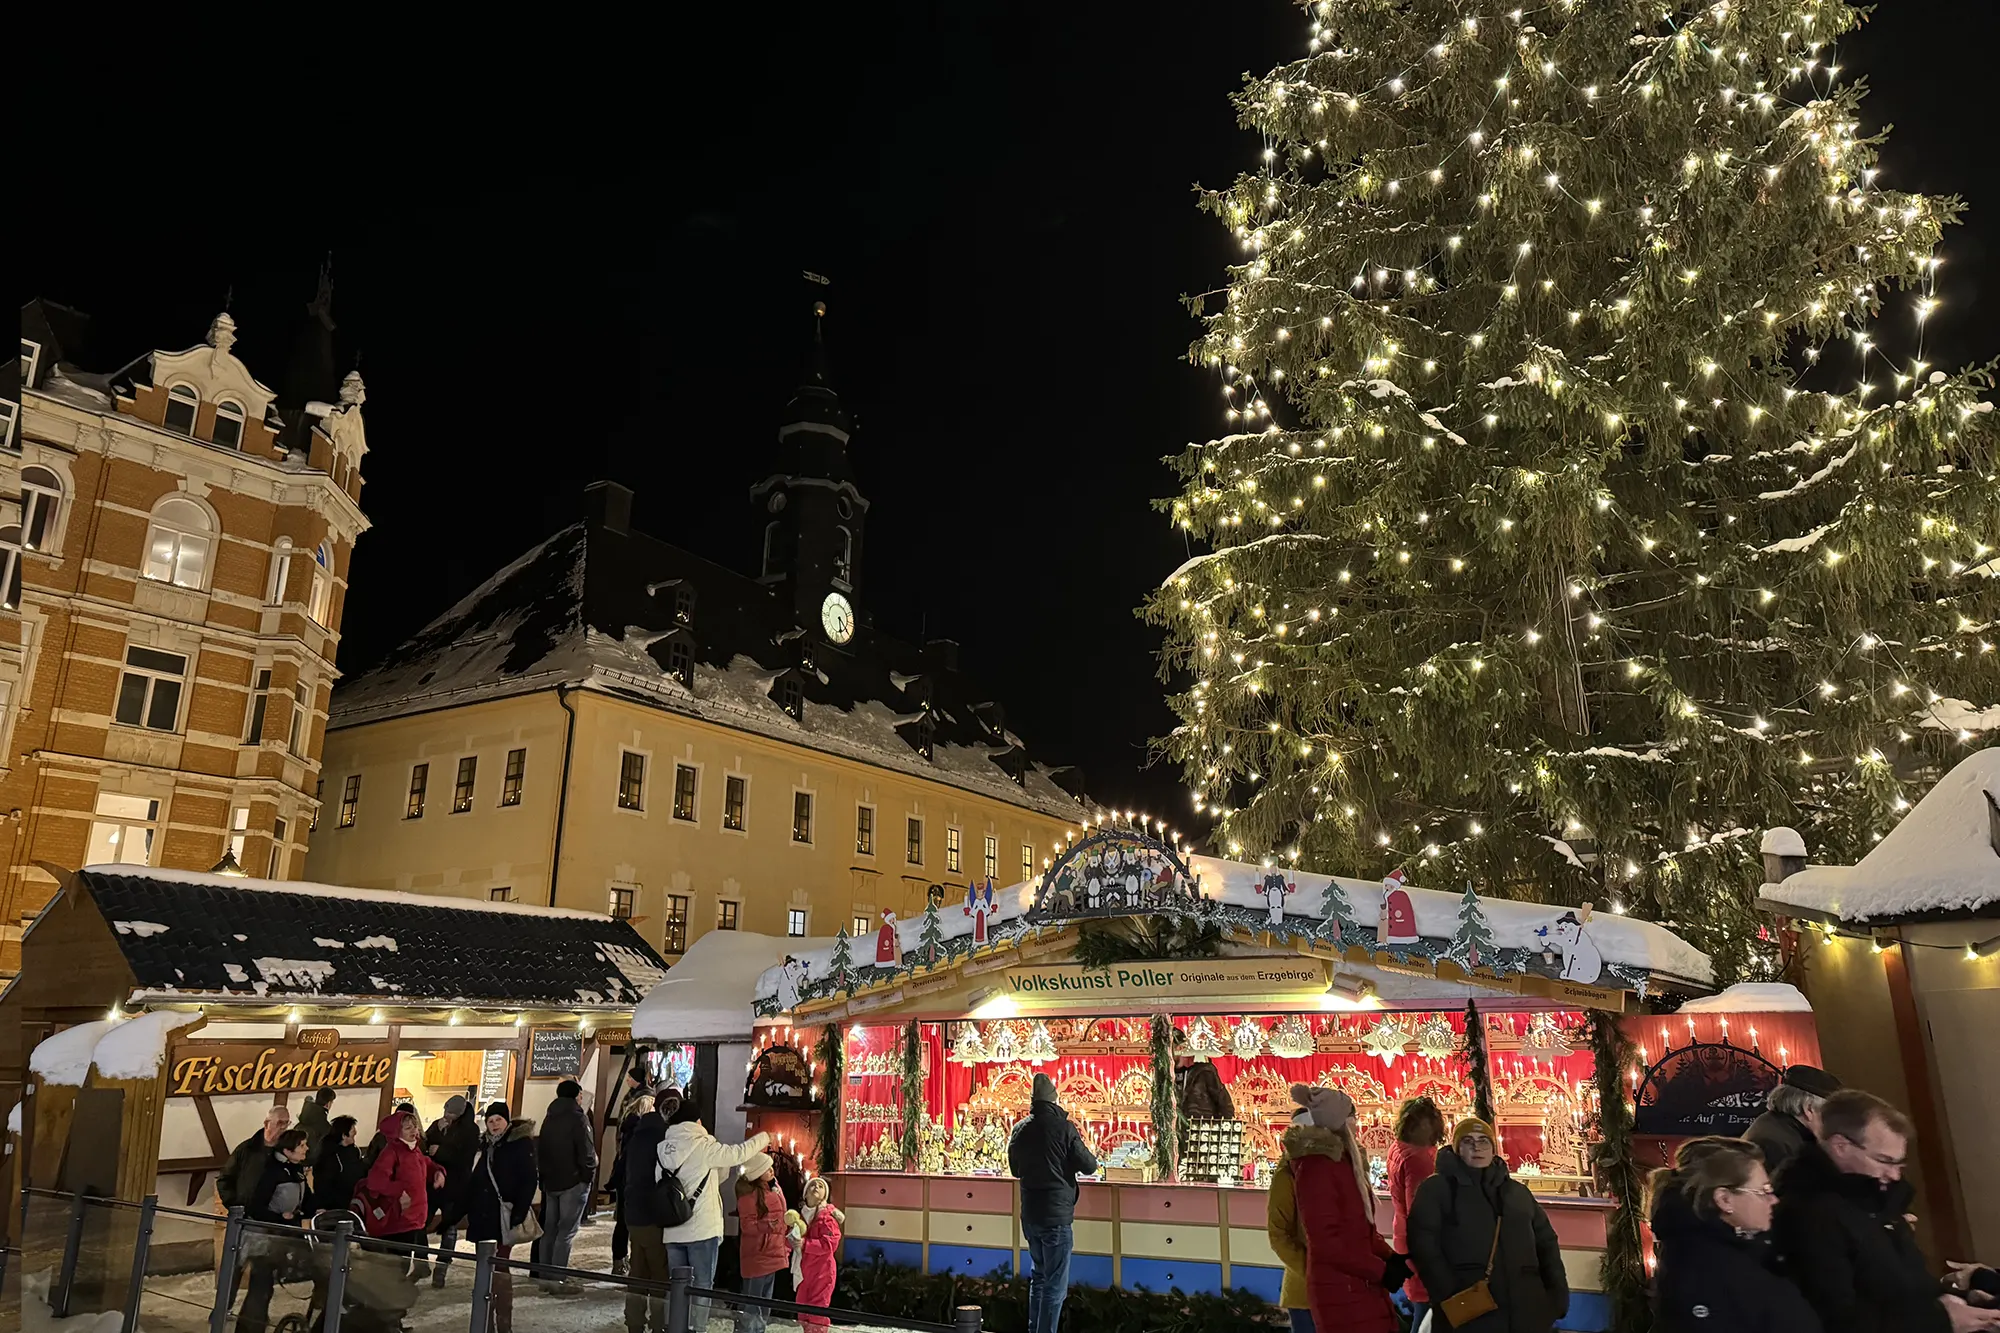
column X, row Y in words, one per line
column 1398, row 924
column 1581, row 960
column 888, row 950
column 1275, row 889
column 979, row 906
column 791, row 981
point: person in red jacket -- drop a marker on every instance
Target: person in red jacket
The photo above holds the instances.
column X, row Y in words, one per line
column 817, row 1264
column 1350, row 1269
column 760, row 1225
column 398, row 1185
column 1412, row 1161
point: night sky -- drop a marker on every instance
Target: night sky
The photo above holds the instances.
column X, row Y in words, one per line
column 557, row 269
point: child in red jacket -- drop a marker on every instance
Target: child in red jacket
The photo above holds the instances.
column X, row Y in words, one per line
column 817, row 1262
column 1350, row 1269
column 1412, row 1161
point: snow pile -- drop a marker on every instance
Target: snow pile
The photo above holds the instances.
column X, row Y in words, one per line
column 1782, row 841
column 306, row 974
column 1751, row 997
column 708, row 994
column 14, row 1119
column 64, row 1059
column 137, row 1047
column 143, row 929
column 377, row 942
column 1939, row 859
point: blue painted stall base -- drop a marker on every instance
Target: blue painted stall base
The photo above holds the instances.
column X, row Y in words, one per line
column 1085, row 1270
column 971, row 1261
column 901, row 1253
column 1589, row 1312
column 1167, row 1274
column 1266, row 1282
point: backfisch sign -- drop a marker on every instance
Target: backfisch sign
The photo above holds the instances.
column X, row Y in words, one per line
column 1215, row 976
column 213, row 1070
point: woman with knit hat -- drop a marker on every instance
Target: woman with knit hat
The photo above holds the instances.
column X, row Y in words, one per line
column 1350, row 1269
column 1473, row 1224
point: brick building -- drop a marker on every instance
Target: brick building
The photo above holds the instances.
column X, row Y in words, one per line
column 174, row 545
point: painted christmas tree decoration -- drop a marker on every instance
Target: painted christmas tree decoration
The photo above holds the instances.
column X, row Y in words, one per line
column 931, row 948
column 1472, row 943
column 841, row 967
column 1335, row 912
column 1399, row 917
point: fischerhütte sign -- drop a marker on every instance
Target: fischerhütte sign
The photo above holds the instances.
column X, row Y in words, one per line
column 214, row 1070
column 1214, row 976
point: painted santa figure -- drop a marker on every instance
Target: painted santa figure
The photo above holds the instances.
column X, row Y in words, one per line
column 1399, row 916
column 888, row 950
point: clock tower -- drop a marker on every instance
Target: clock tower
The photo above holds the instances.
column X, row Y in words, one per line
column 811, row 511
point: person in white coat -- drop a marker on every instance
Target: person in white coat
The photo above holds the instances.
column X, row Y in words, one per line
column 701, row 1160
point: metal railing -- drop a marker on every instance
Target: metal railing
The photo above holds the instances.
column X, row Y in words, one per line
column 68, row 1261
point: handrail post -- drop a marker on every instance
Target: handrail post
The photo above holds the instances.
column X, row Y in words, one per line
column 72, row 1251
column 225, row 1273
column 679, row 1314
column 482, row 1286
column 969, row 1317
column 144, row 1242
column 336, row 1277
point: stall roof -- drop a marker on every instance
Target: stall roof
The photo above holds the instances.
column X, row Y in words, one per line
column 1942, row 860
column 216, row 938
column 708, row 995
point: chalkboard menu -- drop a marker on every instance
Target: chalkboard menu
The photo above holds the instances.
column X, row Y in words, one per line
column 555, row 1053
column 493, row 1078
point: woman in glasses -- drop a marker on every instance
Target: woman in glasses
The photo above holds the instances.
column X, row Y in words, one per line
column 1482, row 1244
column 1711, row 1212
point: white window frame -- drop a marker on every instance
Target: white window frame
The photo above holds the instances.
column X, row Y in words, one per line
column 954, row 850
column 227, row 409
column 42, row 498
column 320, row 608
column 281, row 571
column 10, row 418
column 694, row 805
column 645, row 777
column 992, row 858
column 239, row 832
column 812, row 817
column 153, row 822
column 31, row 361
column 12, row 585
column 800, row 917
column 299, row 733
column 684, row 904
column 184, row 540
column 741, row 830
column 863, row 927
column 280, row 848
column 500, row 894
column 178, row 394
column 874, row 829
column 153, row 676
column 260, row 705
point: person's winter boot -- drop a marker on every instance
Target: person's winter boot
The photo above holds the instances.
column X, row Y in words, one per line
column 620, row 1267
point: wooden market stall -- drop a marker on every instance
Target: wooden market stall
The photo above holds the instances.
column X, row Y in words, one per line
column 1272, row 978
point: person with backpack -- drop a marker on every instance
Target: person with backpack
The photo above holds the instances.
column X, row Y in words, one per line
column 687, row 1193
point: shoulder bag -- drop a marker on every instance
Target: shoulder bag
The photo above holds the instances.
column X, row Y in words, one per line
column 531, row 1226
column 1476, row 1300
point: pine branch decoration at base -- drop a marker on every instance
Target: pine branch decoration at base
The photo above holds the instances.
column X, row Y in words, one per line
column 1618, row 1172
column 832, row 1060
column 1478, row 1067
column 1166, row 1108
column 913, row 1091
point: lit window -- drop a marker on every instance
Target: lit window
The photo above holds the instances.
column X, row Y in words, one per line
column 992, row 858
column 680, row 661
column 461, row 790
column 149, row 690
column 228, row 430
column 864, row 830
column 859, row 928
column 322, row 585
column 802, row 816
column 420, row 777
column 177, row 543
column 792, row 696
column 239, row 832
column 725, row 915
column 795, row 923
column 684, row 780
column 631, row 781
column 350, row 799
column 913, row 848
column 41, row 506
column 10, row 567
column 301, row 710
column 181, row 402
column 735, row 794
column 1027, row 861
column 500, row 895
column 510, row 782
column 281, row 571
column 260, row 704
column 277, row 868
column 123, row 832
column 954, row 854
column 621, row 903
column 675, row 940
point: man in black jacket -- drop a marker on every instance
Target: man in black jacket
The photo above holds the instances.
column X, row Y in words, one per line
column 643, row 1225
column 1046, row 1155
column 1841, row 1234
column 1792, row 1120
column 238, row 1178
column 568, row 1161
column 452, row 1142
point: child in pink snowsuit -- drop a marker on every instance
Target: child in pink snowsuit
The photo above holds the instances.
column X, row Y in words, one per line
column 817, row 1267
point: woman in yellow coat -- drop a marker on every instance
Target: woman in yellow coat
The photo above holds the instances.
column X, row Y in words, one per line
column 1288, row 1239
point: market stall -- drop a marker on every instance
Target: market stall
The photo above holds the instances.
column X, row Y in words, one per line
column 1157, row 989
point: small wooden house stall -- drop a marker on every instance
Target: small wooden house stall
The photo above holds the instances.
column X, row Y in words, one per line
column 1151, row 986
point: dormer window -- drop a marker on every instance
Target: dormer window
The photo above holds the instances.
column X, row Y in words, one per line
column 680, row 661
column 792, row 696
column 684, row 604
column 181, row 403
column 228, row 425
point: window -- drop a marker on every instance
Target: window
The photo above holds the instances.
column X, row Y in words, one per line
column 177, row 543
column 260, row 704
column 795, row 923
column 631, row 781
column 350, row 799
column 239, row 832
column 8, row 413
column 684, row 780
column 41, row 506
column 281, row 571
column 675, row 939
column 859, row 928
column 684, row 604
column 461, row 790
column 277, row 870
column 954, row 851
column 420, row 777
column 770, row 549
column 10, row 567
column 1027, row 861
column 31, row 360
column 802, row 816
column 149, row 691
column 792, row 696
column 510, row 781
column 500, row 895
column 843, row 559
column 621, row 903
column 913, row 850
column 301, row 710
column 725, row 914
column 864, row 830
column 680, row 661
column 322, row 585
column 992, row 858
column 122, row 833
column 228, row 430
column 735, row 792
column 181, row 401
column 319, row 803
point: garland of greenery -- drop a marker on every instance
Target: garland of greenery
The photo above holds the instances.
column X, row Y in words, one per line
column 832, row 1060
column 1624, row 1261
column 913, row 1091
column 882, row 1288
column 1146, row 939
column 1481, row 1068
column 1166, row 1108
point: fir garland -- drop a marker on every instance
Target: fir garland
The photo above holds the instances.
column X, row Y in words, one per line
column 1166, row 1107
column 1480, row 1067
column 1147, row 939
column 913, row 1091
column 832, row 1059
column 1624, row 1261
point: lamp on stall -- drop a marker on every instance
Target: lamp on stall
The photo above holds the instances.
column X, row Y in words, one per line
column 228, row 865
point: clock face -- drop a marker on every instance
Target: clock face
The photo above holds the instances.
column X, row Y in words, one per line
column 836, row 617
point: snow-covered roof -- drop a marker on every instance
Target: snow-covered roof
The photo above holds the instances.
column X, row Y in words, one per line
column 64, row 1059
column 1751, row 997
column 708, row 994
column 1939, row 861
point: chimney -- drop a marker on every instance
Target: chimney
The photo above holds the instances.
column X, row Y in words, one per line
column 1784, row 854
column 608, row 505
column 941, row 654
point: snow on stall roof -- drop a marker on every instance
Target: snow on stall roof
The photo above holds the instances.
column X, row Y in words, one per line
column 137, row 1047
column 708, row 994
column 311, row 890
column 14, row 1119
column 1751, row 997
column 64, row 1059
column 1939, row 859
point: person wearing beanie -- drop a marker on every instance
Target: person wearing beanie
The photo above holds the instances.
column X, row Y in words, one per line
column 451, row 1143
column 1412, row 1161
column 1350, row 1269
column 1791, row 1119
column 1474, row 1222
column 498, row 1198
column 689, row 1151
column 1046, row 1154
column 764, row 1248
column 1287, row 1239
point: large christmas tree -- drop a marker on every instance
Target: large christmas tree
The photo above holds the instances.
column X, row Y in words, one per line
column 1578, row 528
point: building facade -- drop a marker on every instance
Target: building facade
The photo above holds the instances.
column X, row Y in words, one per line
column 613, row 724
column 174, row 540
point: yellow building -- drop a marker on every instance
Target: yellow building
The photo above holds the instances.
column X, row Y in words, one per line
column 612, row 723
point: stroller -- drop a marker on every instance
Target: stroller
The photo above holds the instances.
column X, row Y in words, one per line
column 381, row 1287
